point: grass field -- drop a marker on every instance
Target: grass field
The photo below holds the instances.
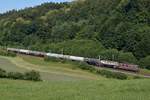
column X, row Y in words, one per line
column 75, row 90
column 66, row 82
column 48, row 70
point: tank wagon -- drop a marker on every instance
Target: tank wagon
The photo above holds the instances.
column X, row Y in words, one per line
column 91, row 61
column 73, row 58
column 27, row 52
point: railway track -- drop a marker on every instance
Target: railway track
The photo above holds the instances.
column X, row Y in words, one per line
column 124, row 72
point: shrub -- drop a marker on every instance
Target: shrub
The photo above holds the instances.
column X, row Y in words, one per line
column 110, row 54
column 85, row 66
column 120, row 76
column 110, row 74
column 127, row 57
column 11, row 54
column 2, row 73
column 137, row 77
column 32, row 75
column 53, row 59
column 145, row 62
column 4, row 52
column 15, row 75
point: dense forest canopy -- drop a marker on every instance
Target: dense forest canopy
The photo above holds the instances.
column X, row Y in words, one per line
column 119, row 27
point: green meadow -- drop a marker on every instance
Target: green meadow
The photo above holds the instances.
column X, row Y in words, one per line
column 64, row 81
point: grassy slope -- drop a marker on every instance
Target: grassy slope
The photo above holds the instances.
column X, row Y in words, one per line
column 7, row 65
column 75, row 90
column 48, row 70
column 80, row 85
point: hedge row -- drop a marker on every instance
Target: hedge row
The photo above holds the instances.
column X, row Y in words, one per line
column 81, row 65
column 4, row 52
column 85, row 66
column 32, row 75
column 53, row 59
column 110, row 74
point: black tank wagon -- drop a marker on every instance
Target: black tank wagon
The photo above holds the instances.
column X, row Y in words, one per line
column 112, row 64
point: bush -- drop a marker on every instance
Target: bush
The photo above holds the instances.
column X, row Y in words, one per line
column 85, row 66
column 120, row 76
column 3, row 73
column 115, row 55
column 32, row 75
column 11, row 54
column 53, row 59
column 4, row 52
column 110, row 74
column 110, row 54
column 15, row 75
column 127, row 57
column 145, row 62
column 137, row 77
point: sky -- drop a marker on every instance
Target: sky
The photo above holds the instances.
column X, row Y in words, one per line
column 6, row 5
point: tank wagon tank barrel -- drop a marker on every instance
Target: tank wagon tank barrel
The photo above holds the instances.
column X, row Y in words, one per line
column 28, row 52
column 74, row 58
column 91, row 61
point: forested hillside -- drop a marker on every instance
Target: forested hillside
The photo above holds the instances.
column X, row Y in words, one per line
column 115, row 29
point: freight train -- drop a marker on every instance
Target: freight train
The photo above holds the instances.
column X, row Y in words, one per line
column 90, row 61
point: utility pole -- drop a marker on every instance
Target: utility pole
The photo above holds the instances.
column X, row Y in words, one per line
column 99, row 57
column 62, row 51
column 113, row 57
